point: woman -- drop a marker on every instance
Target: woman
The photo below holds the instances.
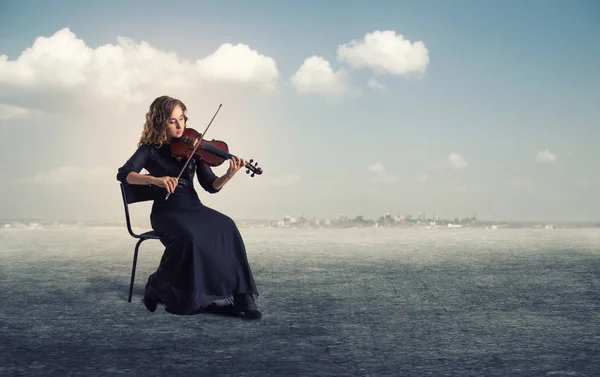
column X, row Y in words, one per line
column 205, row 258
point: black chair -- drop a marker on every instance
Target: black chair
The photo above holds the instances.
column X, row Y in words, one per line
column 135, row 194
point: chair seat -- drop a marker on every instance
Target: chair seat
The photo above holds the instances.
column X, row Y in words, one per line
column 150, row 235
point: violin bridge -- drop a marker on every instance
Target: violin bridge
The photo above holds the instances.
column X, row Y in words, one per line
column 195, row 142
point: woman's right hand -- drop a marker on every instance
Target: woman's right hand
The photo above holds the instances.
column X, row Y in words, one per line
column 167, row 182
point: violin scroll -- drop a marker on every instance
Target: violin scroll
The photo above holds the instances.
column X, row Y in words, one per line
column 254, row 168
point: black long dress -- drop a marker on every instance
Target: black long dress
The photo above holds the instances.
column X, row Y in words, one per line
column 205, row 258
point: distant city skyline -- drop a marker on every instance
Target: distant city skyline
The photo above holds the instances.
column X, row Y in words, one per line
column 462, row 108
column 138, row 216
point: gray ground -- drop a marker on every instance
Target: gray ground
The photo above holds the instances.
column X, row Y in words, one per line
column 335, row 303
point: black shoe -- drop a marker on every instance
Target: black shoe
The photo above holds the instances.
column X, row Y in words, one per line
column 253, row 314
column 245, row 303
column 150, row 304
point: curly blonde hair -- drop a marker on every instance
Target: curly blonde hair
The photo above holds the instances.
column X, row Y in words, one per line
column 155, row 128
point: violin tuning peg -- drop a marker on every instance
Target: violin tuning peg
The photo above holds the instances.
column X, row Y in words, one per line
column 251, row 160
column 247, row 171
column 252, row 175
column 256, row 163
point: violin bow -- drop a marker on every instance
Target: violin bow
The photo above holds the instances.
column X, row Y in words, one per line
column 196, row 147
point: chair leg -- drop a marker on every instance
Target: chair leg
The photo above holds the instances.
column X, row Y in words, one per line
column 135, row 255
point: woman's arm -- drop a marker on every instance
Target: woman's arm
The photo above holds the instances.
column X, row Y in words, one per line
column 170, row 183
column 206, row 177
column 218, row 183
column 129, row 172
column 210, row 182
column 139, row 179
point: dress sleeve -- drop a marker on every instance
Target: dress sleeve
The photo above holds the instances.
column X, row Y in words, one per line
column 206, row 177
column 136, row 163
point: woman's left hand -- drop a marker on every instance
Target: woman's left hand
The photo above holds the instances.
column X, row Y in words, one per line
column 235, row 164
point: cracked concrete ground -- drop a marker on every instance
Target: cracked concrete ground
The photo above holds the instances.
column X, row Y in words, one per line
column 356, row 302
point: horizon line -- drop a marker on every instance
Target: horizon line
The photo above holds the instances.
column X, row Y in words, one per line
column 31, row 219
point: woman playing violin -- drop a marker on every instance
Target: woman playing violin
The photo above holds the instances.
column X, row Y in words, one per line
column 205, row 258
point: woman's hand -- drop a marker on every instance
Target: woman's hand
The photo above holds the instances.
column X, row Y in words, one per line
column 167, row 182
column 235, row 164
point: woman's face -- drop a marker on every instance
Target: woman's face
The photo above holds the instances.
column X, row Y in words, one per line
column 176, row 123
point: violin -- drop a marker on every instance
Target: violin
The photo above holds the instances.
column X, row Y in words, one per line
column 213, row 152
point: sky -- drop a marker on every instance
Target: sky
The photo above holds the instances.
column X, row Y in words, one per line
column 458, row 108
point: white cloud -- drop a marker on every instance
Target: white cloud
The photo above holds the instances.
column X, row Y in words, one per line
column 457, row 161
column 385, row 52
column 239, row 63
column 70, row 175
column 376, row 84
column 58, row 60
column 380, row 175
column 315, row 75
column 376, row 168
column 546, row 156
column 10, row 112
column 423, row 177
column 126, row 70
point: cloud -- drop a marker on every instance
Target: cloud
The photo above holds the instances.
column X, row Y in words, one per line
column 385, row 52
column 239, row 63
column 546, row 156
column 11, row 112
column 376, row 167
column 60, row 60
column 127, row 69
column 70, row 175
column 422, row 177
column 380, row 175
column 315, row 75
column 457, row 161
column 374, row 84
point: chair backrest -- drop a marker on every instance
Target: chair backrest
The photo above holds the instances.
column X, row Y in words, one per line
column 135, row 194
